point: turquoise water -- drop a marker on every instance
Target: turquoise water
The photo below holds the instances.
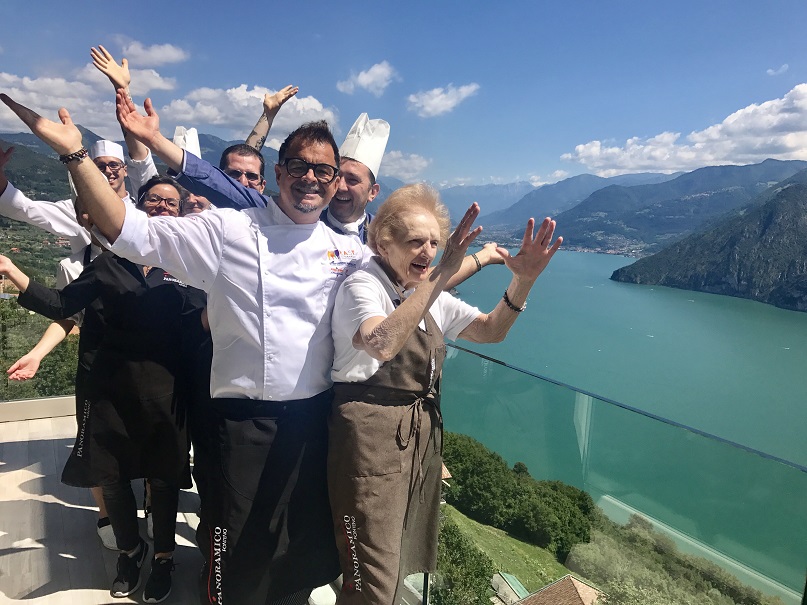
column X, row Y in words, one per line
column 727, row 366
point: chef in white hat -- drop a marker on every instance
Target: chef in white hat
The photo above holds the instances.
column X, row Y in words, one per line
column 108, row 156
column 361, row 155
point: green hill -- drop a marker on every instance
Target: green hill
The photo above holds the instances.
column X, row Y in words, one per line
column 760, row 254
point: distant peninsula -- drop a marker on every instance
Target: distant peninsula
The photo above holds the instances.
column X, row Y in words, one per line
column 759, row 254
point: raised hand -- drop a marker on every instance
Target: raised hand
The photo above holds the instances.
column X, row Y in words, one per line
column 458, row 242
column 535, row 252
column 105, row 63
column 24, row 368
column 143, row 128
column 63, row 138
column 273, row 103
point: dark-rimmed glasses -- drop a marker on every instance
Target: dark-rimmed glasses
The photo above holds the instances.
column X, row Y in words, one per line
column 324, row 173
column 152, row 199
column 113, row 166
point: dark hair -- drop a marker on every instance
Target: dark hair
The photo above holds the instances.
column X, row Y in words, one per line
column 310, row 132
column 369, row 172
column 244, row 150
column 160, row 180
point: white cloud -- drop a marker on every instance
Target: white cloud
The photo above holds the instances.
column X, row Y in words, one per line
column 403, row 166
column 154, row 55
column 438, row 101
column 230, row 113
column 374, row 80
column 237, row 109
column 778, row 72
column 536, row 180
column 143, row 80
column 773, row 129
column 46, row 95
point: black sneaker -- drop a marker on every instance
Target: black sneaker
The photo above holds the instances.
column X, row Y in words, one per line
column 128, row 579
column 158, row 586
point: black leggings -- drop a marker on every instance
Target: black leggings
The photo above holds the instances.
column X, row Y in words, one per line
column 122, row 509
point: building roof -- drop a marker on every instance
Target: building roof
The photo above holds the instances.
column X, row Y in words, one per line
column 517, row 586
column 566, row 591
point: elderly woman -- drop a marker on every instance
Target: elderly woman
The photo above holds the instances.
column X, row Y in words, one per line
column 389, row 325
column 133, row 425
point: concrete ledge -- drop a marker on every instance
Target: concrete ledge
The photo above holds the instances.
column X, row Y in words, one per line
column 31, row 409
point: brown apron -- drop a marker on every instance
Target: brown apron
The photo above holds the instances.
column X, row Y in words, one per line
column 384, row 470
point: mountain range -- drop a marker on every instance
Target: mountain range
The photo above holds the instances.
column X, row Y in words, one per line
column 759, row 252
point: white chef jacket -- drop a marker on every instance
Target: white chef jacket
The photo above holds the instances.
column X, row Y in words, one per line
column 139, row 172
column 70, row 268
column 370, row 293
column 58, row 218
column 271, row 286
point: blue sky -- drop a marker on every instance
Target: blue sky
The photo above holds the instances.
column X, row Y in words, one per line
column 475, row 92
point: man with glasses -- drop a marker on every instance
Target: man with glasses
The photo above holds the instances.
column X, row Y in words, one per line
column 59, row 217
column 244, row 164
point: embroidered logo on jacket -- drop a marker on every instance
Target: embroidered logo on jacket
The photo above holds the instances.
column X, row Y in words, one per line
column 341, row 261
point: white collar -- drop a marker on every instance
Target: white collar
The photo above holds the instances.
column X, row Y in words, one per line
column 349, row 228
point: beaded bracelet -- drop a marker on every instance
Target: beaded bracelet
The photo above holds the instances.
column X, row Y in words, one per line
column 511, row 306
column 476, row 260
column 76, row 155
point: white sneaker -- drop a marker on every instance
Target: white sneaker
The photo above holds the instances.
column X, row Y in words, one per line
column 107, row 536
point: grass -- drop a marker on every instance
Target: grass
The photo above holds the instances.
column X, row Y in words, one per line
column 533, row 566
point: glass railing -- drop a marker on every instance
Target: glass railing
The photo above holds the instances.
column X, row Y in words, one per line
column 687, row 498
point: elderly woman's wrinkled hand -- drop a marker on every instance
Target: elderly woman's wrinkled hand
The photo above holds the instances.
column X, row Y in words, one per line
column 458, row 242
column 535, row 252
column 64, row 138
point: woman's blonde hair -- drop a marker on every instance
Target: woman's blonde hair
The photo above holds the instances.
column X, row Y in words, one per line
column 388, row 224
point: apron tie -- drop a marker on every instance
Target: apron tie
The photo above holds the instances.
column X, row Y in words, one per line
column 415, row 411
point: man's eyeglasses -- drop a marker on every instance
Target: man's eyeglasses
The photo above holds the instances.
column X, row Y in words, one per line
column 324, row 173
column 155, row 200
column 252, row 177
column 113, row 166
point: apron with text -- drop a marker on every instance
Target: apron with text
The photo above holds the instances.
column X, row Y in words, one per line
column 384, row 470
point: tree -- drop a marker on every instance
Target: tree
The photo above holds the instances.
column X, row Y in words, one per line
column 463, row 571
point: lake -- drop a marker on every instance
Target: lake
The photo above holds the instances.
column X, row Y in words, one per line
column 731, row 367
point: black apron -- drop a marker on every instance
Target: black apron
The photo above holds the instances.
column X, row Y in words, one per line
column 131, row 424
column 266, row 532
column 385, row 470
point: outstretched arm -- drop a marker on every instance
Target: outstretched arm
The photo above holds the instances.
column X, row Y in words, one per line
column 120, row 77
column 473, row 263
column 102, row 203
column 27, row 365
column 526, row 266
column 13, row 273
column 383, row 337
column 271, row 105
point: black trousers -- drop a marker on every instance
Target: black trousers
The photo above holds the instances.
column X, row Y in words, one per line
column 266, row 531
column 122, row 509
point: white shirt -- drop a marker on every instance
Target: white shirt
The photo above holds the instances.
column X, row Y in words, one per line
column 348, row 228
column 271, row 286
column 70, row 268
column 140, row 171
column 58, row 218
column 370, row 293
